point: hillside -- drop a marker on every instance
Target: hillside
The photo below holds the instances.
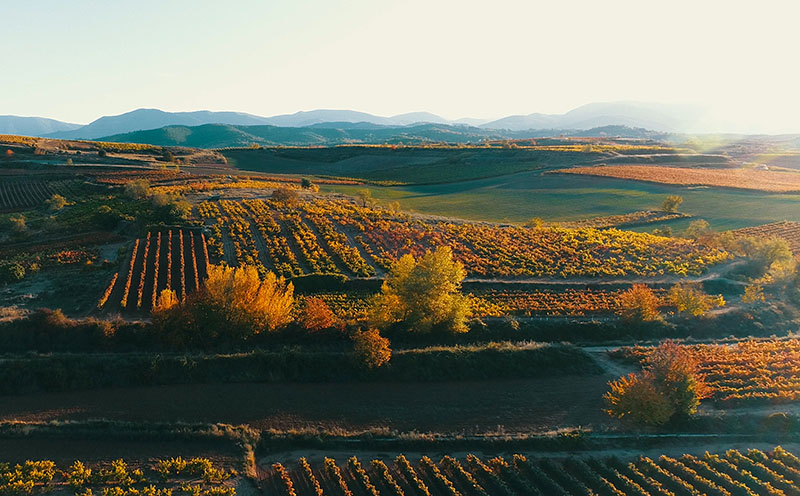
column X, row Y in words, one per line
column 33, row 126
column 343, row 133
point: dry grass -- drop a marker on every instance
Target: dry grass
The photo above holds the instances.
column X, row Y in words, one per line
column 751, row 179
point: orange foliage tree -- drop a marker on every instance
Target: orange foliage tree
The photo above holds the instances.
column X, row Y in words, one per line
column 668, row 388
column 638, row 304
column 317, row 315
column 370, row 349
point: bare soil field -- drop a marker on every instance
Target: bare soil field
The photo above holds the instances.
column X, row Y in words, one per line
column 749, row 179
column 449, row 407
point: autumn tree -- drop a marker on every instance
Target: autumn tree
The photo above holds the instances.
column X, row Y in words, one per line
column 233, row 304
column 370, row 349
column 56, row 202
column 690, row 298
column 423, row 294
column 365, row 196
column 698, row 229
column 316, row 315
column 138, row 189
column 668, row 388
column 638, row 304
column 671, row 203
column 287, row 196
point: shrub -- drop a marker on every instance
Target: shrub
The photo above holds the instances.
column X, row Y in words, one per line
column 286, row 195
column 11, row 272
column 138, row 189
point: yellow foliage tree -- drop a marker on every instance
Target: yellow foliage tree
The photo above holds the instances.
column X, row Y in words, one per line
column 370, row 349
column 245, row 301
column 167, row 299
column 638, row 304
column 690, row 298
column 423, row 293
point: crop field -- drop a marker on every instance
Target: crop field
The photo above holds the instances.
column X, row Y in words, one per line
column 175, row 259
column 789, row 231
column 19, row 195
column 752, row 179
column 747, row 373
column 165, row 477
column 341, row 237
column 754, row 473
column 565, row 198
column 497, row 303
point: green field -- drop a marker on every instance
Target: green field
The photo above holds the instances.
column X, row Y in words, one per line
column 517, row 198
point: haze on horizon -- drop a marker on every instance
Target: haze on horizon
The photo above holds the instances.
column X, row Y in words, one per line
column 76, row 61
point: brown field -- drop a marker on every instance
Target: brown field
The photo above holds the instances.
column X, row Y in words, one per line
column 751, row 179
column 518, row 405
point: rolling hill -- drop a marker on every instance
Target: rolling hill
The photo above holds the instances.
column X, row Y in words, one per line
column 331, row 134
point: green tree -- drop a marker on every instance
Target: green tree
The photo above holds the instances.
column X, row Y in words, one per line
column 366, row 198
column 698, row 229
column 138, row 189
column 671, row 203
column 424, row 293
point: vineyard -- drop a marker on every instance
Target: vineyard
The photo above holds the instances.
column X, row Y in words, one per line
column 754, row 473
column 789, row 231
column 178, row 476
column 494, row 303
column 746, row 373
column 751, row 179
column 18, row 195
column 336, row 236
column 175, row 259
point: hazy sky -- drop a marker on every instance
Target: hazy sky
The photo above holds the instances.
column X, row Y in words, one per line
column 77, row 60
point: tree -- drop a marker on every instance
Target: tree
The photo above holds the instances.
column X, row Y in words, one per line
column 370, row 349
column 698, row 229
column 238, row 297
column 667, row 389
column 167, row 300
column 234, row 304
column 56, row 202
column 690, row 298
column 69, row 161
column 18, row 224
column 536, row 223
column 424, row 293
column 138, row 189
column 288, row 196
column 671, row 203
column 638, row 304
column 306, row 183
column 317, row 315
column 366, row 198
column 754, row 293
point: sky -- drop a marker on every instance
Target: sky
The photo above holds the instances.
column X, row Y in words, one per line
column 81, row 59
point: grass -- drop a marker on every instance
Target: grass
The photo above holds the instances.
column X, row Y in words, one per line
column 519, row 197
column 404, row 165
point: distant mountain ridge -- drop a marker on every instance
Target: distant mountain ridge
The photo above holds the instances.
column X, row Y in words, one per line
column 331, row 134
column 33, row 126
column 664, row 118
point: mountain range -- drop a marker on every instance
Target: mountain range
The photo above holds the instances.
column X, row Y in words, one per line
column 340, row 133
column 662, row 118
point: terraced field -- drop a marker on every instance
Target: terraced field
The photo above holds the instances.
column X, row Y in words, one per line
column 754, row 473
